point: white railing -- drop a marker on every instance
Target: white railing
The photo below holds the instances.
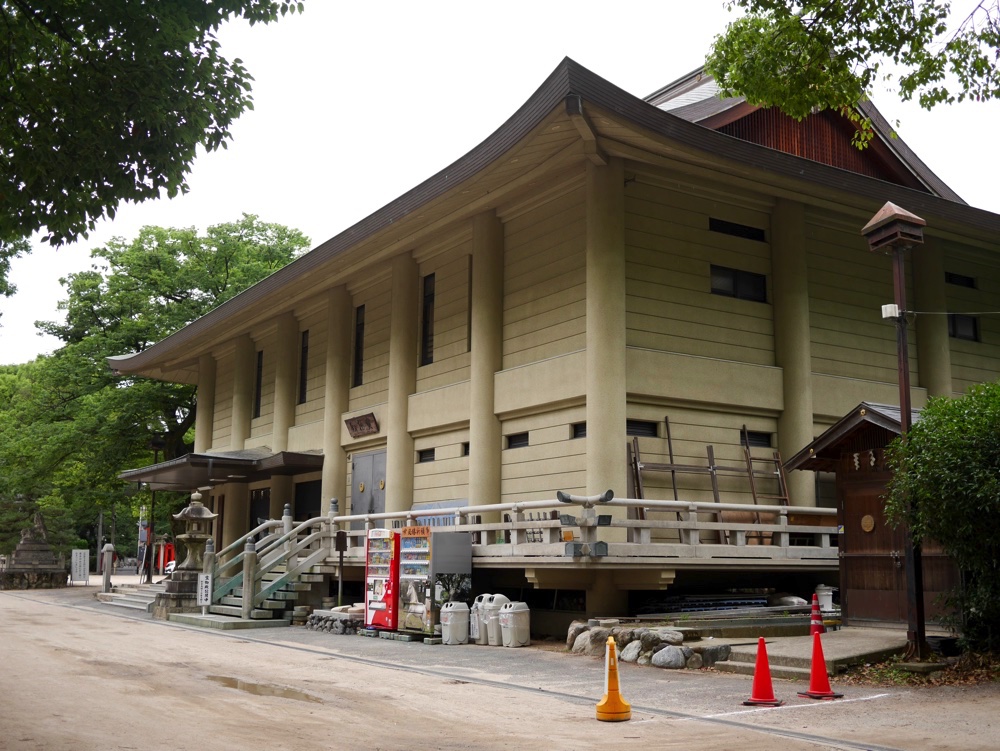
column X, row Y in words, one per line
column 568, row 528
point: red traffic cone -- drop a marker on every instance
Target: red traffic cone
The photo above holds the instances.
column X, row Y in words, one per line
column 819, row 681
column 816, row 619
column 762, row 692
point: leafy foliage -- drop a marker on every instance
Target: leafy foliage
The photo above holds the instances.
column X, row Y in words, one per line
column 946, row 486
column 68, row 424
column 108, row 101
column 816, row 55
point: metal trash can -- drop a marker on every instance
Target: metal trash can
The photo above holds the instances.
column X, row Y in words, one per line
column 515, row 624
column 492, row 605
column 454, row 623
column 477, row 620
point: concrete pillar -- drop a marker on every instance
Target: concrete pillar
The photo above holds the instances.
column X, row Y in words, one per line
column 606, row 439
column 485, row 437
column 402, row 382
column 234, row 520
column 205, row 419
column 930, row 293
column 604, row 598
column 286, row 365
column 792, row 351
column 282, row 492
column 336, row 397
column 244, row 370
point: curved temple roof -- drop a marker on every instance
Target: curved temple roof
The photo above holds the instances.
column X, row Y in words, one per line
column 611, row 110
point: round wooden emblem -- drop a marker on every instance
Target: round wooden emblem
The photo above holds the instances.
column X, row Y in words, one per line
column 867, row 522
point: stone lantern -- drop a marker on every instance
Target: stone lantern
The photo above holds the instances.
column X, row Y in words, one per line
column 182, row 587
column 197, row 531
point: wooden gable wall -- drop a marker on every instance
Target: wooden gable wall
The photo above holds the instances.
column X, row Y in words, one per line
column 824, row 137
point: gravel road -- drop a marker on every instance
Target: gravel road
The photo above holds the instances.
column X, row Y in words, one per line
column 79, row 675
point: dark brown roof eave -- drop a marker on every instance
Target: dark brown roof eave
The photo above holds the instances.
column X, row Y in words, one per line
column 816, row 455
column 568, row 78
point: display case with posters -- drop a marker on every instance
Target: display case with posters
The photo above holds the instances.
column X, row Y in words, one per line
column 382, row 579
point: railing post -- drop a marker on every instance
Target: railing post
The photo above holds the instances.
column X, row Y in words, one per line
column 517, row 536
column 693, row 534
column 286, row 525
column 783, row 534
column 249, row 579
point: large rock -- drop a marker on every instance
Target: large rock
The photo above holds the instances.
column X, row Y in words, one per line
column 581, row 643
column 649, row 639
column 598, row 646
column 631, row 652
column 623, row 636
column 694, row 662
column 713, row 654
column 669, row 657
column 575, row 629
column 670, row 636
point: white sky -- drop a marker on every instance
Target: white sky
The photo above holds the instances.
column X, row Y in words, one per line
column 356, row 103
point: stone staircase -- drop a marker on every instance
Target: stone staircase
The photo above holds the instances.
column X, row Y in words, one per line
column 275, row 611
column 132, row 596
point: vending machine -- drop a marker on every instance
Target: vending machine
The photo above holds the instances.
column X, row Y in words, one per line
column 382, row 579
column 434, row 567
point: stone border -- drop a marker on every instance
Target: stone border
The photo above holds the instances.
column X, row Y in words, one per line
column 661, row 647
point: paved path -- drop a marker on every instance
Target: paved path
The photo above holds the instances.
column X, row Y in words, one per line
column 80, row 675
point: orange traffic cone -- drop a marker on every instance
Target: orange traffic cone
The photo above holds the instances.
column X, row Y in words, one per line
column 612, row 707
column 819, row 681
column 816, row 619
column 762, row 692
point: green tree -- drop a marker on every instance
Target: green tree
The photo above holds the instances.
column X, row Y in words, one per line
column 68, row 424
column 108, row 101
column 816, row 55
column 946, row 486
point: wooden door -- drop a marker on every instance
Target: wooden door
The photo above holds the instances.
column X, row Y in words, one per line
column 872, row 560
column 873, row 563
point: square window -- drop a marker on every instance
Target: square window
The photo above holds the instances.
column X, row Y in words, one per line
column 962, row 326
column 743, row 285
column 425, row 455
column 960, row 280
column 517, row 440
column 757, row 439
column 641, row 428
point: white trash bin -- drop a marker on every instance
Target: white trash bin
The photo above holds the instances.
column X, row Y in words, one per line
column 477, row 620
column 454, row 623
column 825, row 596
column 515, row 624
column 492, row 605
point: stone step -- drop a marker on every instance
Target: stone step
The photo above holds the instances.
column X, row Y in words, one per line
column 226, row 623
column 312, row 578
column 124, row 601
column 238, row 612
column 265, row 605
column 777, row 671
column 279, row 594
column 324, row 568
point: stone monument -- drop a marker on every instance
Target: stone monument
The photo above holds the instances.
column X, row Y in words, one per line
column 33, row 565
